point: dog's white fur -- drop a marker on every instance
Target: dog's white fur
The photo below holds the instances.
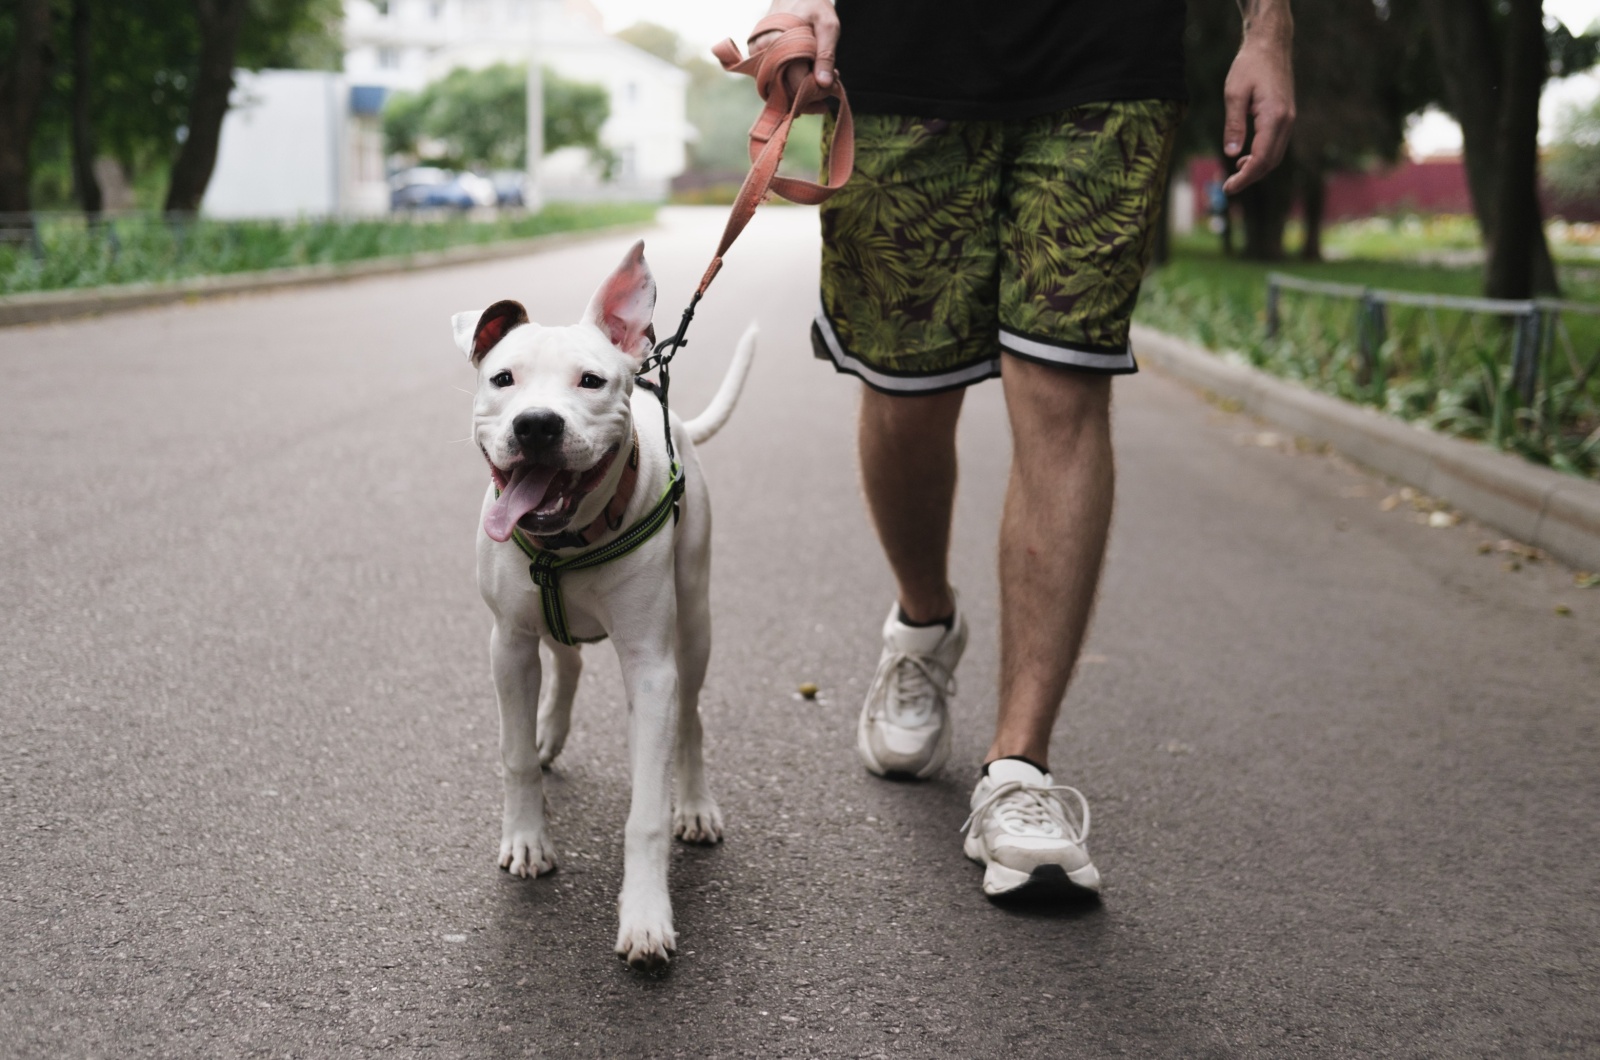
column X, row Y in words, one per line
column 653, row 603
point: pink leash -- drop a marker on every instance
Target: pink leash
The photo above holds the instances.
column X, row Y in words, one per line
column 770, row 134
column 768, row 137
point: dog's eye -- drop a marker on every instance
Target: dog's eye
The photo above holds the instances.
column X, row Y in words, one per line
column 590, row 381
column 500, row 379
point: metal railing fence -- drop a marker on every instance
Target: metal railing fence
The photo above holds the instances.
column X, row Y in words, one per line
column 1438, row 341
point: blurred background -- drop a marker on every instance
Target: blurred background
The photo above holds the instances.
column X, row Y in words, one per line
column 1450, row 147
column 312, row 108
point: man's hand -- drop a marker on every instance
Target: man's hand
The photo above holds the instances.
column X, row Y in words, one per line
column 824, row 24
column 1261, row 85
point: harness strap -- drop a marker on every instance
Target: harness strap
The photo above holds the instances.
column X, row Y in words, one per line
column 795, row 44
column 547, row 568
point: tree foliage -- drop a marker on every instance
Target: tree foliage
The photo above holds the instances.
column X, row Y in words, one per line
column 143, row 61
column 1572, row 166
column 721, row 107
column 479, row 118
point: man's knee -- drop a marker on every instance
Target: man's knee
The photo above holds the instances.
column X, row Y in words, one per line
column 1050, row 399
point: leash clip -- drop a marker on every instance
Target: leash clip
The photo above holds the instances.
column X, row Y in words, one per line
column 667, row 348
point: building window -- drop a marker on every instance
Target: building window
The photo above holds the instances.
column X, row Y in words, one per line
column 633, row 92
column 388, row 58
column 382, row 6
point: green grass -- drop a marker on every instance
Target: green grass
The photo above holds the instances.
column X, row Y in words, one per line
column 1408, row 237
column 143, row 249
column 1450, row 370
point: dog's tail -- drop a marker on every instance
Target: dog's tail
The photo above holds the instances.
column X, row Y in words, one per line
column 716, row 414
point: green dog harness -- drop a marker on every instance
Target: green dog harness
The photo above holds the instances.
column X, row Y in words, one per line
column 547, row 568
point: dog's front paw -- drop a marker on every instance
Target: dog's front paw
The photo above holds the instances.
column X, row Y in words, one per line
column 527, row 853
column 698, row 822
column 647, row 945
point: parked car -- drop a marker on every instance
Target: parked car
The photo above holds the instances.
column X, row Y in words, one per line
column 508, row 187
column 480, row 188
column 429, row 187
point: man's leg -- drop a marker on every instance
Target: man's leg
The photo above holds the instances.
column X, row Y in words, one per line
column 1052, row 541
column 1025, row 830
column 908, row 472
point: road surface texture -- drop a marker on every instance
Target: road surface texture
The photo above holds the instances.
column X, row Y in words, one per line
column 1344, row 767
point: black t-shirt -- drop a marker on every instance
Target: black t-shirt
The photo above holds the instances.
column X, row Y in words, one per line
column 1007, row 58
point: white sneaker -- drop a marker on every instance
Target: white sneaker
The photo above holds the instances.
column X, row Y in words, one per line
column 905, row 722
column 1023, row 829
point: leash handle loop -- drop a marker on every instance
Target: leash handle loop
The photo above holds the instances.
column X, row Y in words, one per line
column 796, row 43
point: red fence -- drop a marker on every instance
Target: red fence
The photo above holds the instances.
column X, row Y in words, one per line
column 1437, row 185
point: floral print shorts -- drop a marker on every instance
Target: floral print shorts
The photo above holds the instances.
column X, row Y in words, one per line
column 955, row 240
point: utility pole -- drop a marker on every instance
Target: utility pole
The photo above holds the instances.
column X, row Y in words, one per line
column 532, row 196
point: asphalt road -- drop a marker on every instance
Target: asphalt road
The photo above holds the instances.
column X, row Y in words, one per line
column 1345, row 769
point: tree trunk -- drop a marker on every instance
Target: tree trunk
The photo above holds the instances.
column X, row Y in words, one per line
column 1161, row 244
column 22, row 81
column 1469, row 65
column 1313, row 199
column 220, row 21
column 1490, row 100
column 83, row 151
column 1265, row 206
column 1509, row 272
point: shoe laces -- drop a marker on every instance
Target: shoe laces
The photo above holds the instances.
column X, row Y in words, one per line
column 1034, row 810
column 918, row 680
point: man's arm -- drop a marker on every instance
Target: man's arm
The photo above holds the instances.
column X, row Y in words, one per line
column 1260, row 85
column 824, row 23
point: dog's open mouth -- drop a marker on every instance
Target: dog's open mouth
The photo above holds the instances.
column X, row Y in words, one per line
column 539, row 498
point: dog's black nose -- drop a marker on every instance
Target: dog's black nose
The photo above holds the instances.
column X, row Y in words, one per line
column 538, row 429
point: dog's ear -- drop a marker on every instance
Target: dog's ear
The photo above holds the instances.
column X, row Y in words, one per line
column 478, row 333
column 461, row 327
column 623, row 305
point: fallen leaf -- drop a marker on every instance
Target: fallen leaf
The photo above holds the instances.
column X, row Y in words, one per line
column 1511, row 565
column 1485, row 547
column 1389, row 503
column 808, row 690
column 1518, row 549
column 1585, row 580
column 1563, row 609
column 1408, row 494
column 1439, row 520
column 1269, row 440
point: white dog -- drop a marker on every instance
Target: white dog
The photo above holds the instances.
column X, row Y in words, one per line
column 581, row 472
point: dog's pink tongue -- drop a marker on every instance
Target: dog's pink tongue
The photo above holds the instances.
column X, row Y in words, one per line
column 521, row 496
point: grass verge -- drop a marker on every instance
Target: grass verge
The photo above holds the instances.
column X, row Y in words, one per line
column 65, row 252
column 1450, row 370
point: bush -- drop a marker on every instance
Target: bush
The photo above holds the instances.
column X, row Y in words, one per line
column 479, row 118
column 1447, row 369
column 70, row 253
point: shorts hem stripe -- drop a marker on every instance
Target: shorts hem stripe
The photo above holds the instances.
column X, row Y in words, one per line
column 901, row 384
column 1067, row 355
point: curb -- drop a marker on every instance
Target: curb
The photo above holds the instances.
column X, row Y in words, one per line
column 40, row 306
column 1557, row 513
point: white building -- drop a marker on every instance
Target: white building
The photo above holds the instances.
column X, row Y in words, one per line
column 299, row 143
column 406, row 44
